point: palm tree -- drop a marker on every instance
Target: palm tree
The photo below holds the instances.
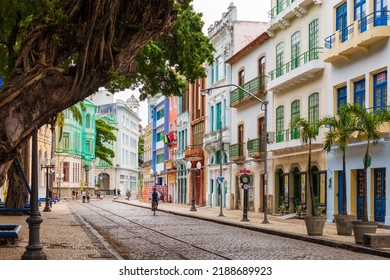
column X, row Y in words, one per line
column 308, row 132
column 368, row 125
column 340, row 134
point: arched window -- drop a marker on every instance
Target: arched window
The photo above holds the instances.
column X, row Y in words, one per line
column 88, row 121
column 314, row 107
column 279, row 59
column 262, row 73
column 295, row 113
column 280, row 124
column 295, row 49
column 241, row 77
column 313, row 39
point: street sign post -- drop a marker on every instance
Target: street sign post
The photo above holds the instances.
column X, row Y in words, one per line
column 220, row 179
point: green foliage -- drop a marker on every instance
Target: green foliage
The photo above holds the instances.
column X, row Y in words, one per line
column 104, row 134
column 141, row 151
column 167, row 63
column 15, row 17
column 308, row 131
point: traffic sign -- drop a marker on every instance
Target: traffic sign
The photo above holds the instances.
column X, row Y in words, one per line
column 220, row 179
column 245, row 171
column 245, row 186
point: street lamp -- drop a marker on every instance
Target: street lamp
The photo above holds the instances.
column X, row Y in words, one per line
column 197, row 169
column 264, row 105
column 48, row 169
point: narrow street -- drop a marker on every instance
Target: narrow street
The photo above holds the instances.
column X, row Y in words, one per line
column 136, row 234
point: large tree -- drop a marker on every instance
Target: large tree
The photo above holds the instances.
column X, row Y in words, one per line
column 54, row 53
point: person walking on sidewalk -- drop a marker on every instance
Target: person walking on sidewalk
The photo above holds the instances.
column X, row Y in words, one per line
column 83, row 194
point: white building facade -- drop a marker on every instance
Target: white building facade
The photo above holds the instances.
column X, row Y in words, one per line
column 357, row 52
column 228, row 36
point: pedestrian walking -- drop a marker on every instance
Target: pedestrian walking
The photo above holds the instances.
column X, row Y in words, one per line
column 83, row 194
column 88, row 197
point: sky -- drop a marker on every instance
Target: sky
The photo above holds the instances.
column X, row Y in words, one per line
column 251, row 10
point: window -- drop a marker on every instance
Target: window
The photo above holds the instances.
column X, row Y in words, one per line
column 279, row 59
column 295, row 49
column 88, row 121
column 241, row 140
column 160, row 136
column 341, row 21
column 360, row 14
column 88, row 146
column 241, row 77
column 359, row 93
column 220, row 65
column 380, row 90
column 314, row 107
column 260, row 128
column 341, row 97
column 212, row 119
column 262, row 73
column 213, row 80
column 160, row 114
column 295, row 113
column 66, row 140
column 313, row 39
column 160, row 158
column 381, row 13
column 218, row 116
column 279, row 123
column 198, row 133
column 65, row 171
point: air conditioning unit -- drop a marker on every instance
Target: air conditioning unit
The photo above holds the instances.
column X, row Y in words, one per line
column 270, row 137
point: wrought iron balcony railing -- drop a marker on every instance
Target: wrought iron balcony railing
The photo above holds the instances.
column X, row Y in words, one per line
column 255, row 86
column 313, row 54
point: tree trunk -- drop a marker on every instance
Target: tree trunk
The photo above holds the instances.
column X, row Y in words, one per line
column 96, row 39
column 311, row 189
column 344, row 212
column 18, row 194
column 365, row 212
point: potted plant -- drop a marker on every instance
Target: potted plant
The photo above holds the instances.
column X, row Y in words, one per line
column 340, row 133
column 368, row 125
column 282, row 209
column 308, row 131
column 299, row 211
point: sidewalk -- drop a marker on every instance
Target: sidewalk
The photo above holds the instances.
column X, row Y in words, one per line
column 292, row 228
column 63, row 236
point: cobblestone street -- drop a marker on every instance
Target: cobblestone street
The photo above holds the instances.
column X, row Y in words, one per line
column 136, row 234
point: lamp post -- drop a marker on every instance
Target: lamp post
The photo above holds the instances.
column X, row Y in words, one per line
column 197, row 169
column 34, row 248
column 48, row 169
column 264, row 105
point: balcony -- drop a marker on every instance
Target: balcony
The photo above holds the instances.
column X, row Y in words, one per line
column 288, row 141
column 238, row 97
column 285, row 11
column 296, row 71
column 179, row 155
column 211, row 140
column 255, row 148
column 237, row 152
column 358, row 36
column 194, row 153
